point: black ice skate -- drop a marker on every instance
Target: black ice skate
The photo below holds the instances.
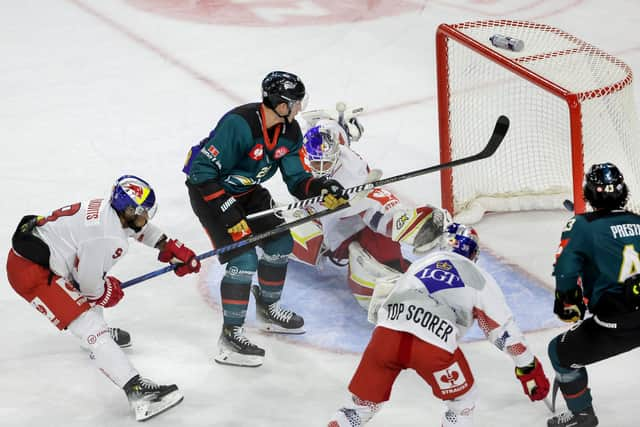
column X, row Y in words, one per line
column 148, row 399
column 584, row 418
column 273, row 318
column 121, row 337
column 236, row 349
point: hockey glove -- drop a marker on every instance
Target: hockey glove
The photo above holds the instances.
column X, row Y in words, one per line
column 239, row 231
column 569, row 306
column 534, row 382
column 332, row 193
column 112, row 293
column 175, row 252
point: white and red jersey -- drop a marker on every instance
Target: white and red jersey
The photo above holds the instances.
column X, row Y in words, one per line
column 86, row 239
column 374, row 210
column 438, row 298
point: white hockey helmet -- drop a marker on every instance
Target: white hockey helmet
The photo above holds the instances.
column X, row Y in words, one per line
column 322, row 146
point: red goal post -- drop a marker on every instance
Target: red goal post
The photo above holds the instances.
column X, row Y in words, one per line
column 570, row 105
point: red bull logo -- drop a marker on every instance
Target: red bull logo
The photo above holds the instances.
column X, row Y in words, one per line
column 136, row 192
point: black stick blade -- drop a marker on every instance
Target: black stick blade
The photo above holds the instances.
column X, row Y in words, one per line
column 499, row 132
column 568, row 205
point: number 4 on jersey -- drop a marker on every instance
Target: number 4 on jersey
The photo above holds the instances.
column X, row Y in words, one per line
column 630, row 263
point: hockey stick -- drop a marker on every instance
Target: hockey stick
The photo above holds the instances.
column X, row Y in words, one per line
column 499, row 132
column 568, row 205
column 502, row 125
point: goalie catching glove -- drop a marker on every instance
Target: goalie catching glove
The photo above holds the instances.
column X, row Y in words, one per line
column 534, row 382
column 174, row 252
column 420, row 227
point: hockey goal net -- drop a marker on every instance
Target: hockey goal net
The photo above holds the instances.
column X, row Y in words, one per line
column 570, row 105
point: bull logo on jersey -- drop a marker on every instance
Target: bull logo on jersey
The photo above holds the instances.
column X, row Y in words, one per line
column 439, row 276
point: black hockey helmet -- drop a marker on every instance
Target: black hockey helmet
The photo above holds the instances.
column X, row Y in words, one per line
column 604, row 187
column 279, row 87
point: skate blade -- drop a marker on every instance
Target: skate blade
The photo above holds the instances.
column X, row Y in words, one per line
column 275, row 329
column 237, row 359
column 151, row 409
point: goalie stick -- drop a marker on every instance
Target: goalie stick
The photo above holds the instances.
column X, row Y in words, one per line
column 499, row 132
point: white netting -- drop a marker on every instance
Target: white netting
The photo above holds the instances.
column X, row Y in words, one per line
column 532, row 169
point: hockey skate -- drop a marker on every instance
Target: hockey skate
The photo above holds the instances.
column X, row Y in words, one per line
column 584, row 418
column 273, row 318
column 148, row 399
column 236, row 349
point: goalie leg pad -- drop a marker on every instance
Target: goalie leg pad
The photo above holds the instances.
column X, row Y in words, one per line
column 307, row 243
column 364, row 272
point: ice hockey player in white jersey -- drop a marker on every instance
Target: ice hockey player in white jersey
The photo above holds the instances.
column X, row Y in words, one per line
column 367, row 235
column 420, row 316
column 59, row 264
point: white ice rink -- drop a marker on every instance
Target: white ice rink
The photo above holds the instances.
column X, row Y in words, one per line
column 91, row 90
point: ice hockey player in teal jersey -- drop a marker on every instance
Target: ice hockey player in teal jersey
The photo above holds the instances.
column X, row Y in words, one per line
column 225, row 173
column 597, row 267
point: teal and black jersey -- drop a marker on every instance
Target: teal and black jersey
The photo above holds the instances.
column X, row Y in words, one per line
column 238, row 157
column 601, row 249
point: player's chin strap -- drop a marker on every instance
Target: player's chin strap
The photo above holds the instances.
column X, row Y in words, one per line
column 499, row 132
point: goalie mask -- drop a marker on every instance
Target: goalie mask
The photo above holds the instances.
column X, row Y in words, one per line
column 604, row 187
column 462, row 240
column 133, row 196
column 322, row 147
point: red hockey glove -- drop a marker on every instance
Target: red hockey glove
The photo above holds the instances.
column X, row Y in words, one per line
column 112, row 293
column 175, row 252
column 534, row 382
